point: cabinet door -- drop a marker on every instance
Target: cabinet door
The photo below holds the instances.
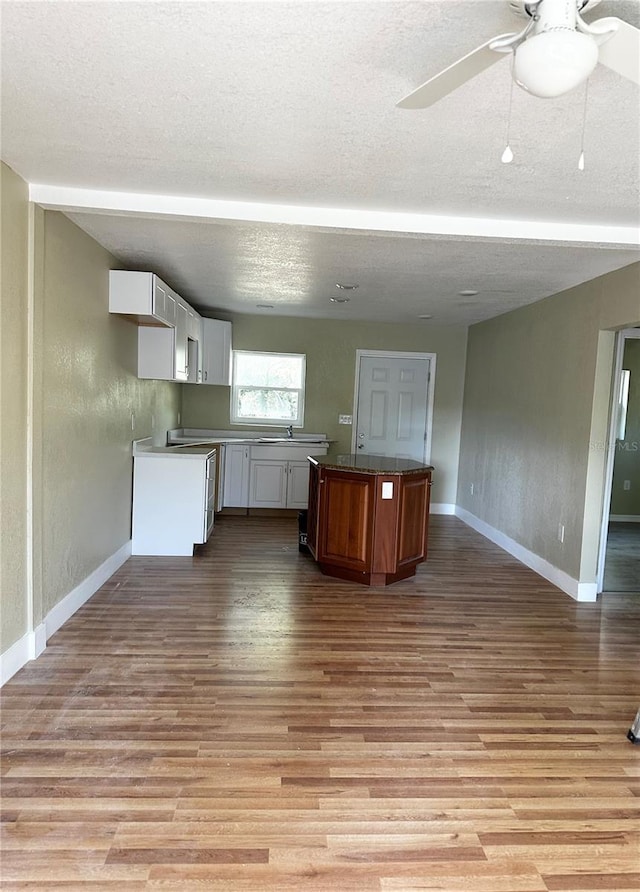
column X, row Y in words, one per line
column 216, row 364
column 236, row 476
column 159, row 299
column 298, row 484
column 345, row 534
column 268, row 484
column 414, row 519
column 156, row 352
column 194, row 326
column 194, row 347
column 170, row 308
column 181, row 341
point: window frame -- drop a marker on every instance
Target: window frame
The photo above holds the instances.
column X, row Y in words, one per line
column 234, row 416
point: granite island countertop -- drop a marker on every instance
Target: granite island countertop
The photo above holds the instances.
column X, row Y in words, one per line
column 370, row 464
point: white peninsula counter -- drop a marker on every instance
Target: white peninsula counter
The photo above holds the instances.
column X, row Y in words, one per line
column 173, row 497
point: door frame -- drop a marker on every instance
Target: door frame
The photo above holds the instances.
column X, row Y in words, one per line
column 625, row 334
column 431, row 384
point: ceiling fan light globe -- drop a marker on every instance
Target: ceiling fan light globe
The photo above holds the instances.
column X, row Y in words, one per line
column 554, row 62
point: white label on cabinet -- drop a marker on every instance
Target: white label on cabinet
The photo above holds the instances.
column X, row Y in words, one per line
column 387, row 489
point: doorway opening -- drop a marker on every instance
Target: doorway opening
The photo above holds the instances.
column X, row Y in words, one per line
column 619, row 564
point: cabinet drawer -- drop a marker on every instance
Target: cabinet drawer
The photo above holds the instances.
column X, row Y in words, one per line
column 286, row 453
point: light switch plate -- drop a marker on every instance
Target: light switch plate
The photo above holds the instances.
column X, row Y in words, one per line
column 345, row 419
column 387, row 489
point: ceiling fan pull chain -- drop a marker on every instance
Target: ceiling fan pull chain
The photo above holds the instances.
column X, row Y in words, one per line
column 507, row 155
column 584, row 125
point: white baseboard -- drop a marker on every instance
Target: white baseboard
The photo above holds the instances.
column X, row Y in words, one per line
column 65, row 609
column 26, row 648
column 580, row 591
column 34, row 642
column 625, row 518
column 442, row 508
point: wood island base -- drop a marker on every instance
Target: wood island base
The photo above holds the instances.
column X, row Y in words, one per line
column 368, row 517
column 367, row 578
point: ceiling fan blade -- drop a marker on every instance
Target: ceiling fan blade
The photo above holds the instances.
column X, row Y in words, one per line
column 621, row 52
column 453, row 77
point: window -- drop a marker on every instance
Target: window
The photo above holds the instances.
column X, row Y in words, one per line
column 268, row 388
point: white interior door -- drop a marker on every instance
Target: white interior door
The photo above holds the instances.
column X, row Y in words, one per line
column 393, row 405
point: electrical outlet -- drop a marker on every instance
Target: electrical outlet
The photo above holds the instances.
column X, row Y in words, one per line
column 560, row 532
column 626, row 485
column 345, row 419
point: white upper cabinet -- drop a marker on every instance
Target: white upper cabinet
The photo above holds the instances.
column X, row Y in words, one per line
column 194, row 346
column 194, row 324
column 175, row 343
column 142, row 296
column 181, row 353
column 216, row 360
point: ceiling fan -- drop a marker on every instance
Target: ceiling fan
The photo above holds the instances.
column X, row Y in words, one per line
column 555, row 51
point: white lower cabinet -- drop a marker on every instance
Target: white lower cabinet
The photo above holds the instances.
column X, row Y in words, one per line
column 173, row 502
column 278, row 484
column 267, row 484
column 298, row 484
column 265, row 476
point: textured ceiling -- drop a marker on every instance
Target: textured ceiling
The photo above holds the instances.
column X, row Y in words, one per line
column 294, row 103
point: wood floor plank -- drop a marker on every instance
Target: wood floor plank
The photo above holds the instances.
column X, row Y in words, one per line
column 238, row 721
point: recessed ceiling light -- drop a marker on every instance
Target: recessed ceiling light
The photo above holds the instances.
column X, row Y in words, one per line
column 425, row 316
column 339, row 300
column 264, row 306
column 468, row 292
column 347, row 287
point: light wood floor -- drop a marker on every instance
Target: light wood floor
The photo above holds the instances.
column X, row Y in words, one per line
column 622, row 559
column 237, row 721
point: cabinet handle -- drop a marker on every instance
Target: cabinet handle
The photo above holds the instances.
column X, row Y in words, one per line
column 206, row 375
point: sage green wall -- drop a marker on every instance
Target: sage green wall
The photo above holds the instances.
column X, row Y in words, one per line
column 330, row 348
column 535, row 418
column 90, row 389
column 75, row 414
column 626, row 464
column 13, row 408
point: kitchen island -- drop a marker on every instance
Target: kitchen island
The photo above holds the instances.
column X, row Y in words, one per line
column 368, row 516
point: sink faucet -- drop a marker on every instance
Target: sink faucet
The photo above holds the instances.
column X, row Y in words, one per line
column 290, row 432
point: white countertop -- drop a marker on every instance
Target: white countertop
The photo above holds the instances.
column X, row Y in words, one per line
column 146, row 447
column 198, row 443
column 180, row 436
